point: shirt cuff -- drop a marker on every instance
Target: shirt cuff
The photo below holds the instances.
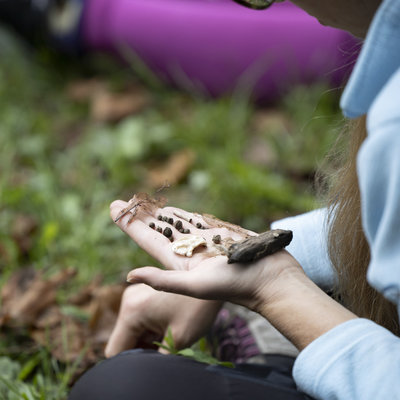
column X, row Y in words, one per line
column 309, row 246
column 351, row 361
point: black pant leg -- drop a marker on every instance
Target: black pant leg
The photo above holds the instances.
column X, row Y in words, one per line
column 149, row 375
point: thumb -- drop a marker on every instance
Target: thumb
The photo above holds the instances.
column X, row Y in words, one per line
column 180, row 282
column 122, row 338
column 174, row 339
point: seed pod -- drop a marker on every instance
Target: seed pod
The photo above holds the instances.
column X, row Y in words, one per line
column 152, row 225
column 167, row 232
column 178, row 224
column 216, row 239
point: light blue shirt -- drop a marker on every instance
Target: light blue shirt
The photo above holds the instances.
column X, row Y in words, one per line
column 360, row 360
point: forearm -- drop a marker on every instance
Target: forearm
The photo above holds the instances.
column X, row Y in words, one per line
column 300, row 310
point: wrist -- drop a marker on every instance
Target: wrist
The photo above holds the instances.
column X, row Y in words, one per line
column 299, row 309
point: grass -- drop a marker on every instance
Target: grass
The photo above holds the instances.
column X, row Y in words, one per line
column 61, row 169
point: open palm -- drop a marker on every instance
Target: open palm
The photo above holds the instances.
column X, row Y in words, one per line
column 204, row 274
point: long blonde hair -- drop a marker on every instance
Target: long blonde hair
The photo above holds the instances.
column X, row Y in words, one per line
column 348, row 248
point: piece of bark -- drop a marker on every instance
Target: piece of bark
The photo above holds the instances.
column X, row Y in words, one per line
column 255, row 247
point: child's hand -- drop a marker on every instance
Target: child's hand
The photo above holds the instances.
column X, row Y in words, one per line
column 202, row 275
column 146, row 315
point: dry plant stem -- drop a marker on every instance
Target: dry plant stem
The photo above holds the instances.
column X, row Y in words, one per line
column 141, row 201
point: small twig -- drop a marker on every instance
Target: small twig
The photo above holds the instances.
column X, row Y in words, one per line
column 128, row 210
column 179, row 215
column 166, row 185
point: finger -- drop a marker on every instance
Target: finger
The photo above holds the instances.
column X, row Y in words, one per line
column 195, row 283
column 193, row 219
column 163, row 217
column 176, row 342
column 122, row 338
column 153, row 242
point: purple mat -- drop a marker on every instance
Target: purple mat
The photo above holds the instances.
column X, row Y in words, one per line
column 216, row 46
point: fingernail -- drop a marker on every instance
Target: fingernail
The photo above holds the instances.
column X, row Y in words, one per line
column 130, row 278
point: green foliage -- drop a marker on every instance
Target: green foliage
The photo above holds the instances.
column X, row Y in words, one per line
column 27, row 382
column 198, row 352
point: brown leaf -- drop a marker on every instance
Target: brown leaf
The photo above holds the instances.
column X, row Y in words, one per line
column 27, row 294
column 84, row 89
column 22, row 231
column 66, row 341
column 174, row 169
column 104, row 311
column 29, row 300
column 107, row 106
column 50, row 317
column 85, row 294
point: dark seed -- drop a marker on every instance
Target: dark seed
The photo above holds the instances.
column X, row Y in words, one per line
column 160, row 217
column 199, row 225
column 170, row 221
column 165, row 219
column 178, row 224
column 152, row 225
column 171, row 239
column 159, row 229
column 186, row 231
column 167, row 232
column 190, row 220
column 181, row 230
column 216, row 239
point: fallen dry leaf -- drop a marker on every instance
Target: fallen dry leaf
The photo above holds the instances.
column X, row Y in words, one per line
column 173, row 170
column 66, row 341
column 85, row 295
column 84, row 89
column 104, row 311
column 29, row 301
column 107, row 106
column 27, row 294
column 22, row 231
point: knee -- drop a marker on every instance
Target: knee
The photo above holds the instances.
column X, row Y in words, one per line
column 119, row 377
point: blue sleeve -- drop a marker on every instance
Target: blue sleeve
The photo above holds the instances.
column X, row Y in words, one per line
column 309, row 246
column 359, row 359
